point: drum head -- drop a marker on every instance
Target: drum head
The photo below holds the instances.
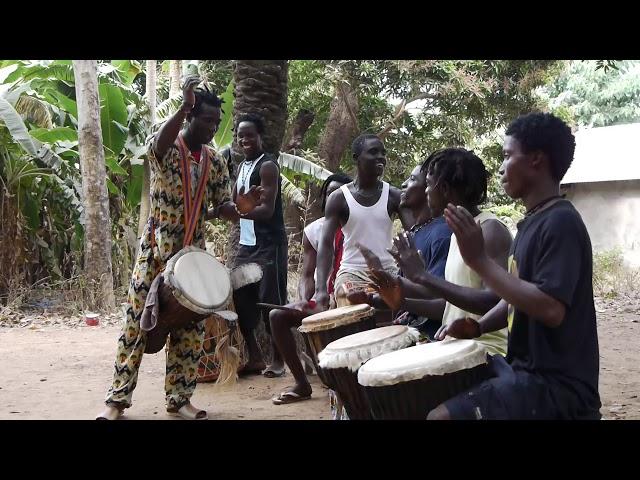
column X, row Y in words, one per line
column 201, row 279
column 413, row 363
column 353, row 350
column 336, row 317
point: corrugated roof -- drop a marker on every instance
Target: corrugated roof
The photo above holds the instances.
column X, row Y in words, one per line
column 606, row 154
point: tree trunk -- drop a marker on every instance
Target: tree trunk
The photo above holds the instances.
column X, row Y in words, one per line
column 298, row 130
column 341, row 126
column 145, row 204
column 261, row 86
column 175, row 73
column 97, row 235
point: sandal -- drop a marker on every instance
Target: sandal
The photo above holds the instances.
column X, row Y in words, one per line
column 289, row 397
column 271, row 373
column 189, row 412
column 111, row 412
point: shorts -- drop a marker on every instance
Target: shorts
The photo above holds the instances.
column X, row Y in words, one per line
column 509, row 395
column 353, row 280
column 272, row 288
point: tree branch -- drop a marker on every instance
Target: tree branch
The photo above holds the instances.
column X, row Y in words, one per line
column 349, row 109
column 400, row 110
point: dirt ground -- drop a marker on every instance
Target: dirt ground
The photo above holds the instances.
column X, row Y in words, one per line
column 60, row 370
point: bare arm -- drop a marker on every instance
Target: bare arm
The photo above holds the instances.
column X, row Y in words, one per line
column 434, row 309
column 473, row 300
column 521, row 294
column 495, row 319
column 269, row 181
column 169, row 131
column 335, row 206
column 307, row 285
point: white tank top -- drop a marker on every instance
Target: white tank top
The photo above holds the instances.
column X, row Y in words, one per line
column 371, row 227
column 456, row 271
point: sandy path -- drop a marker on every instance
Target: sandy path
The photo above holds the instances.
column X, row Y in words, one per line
column 61, row 372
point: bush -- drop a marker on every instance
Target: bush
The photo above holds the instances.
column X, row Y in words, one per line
column 611, row 276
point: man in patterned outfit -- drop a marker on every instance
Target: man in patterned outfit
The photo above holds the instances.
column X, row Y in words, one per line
column 163, row 237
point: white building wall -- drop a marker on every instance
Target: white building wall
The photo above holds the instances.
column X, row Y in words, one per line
column 611, row 212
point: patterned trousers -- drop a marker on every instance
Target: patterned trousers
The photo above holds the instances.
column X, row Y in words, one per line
column 183, row 351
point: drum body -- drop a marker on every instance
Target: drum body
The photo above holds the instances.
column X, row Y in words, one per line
column 341, row 359
column 193, row 286
column 320, row 329
column 223, row 346
column 408, row 384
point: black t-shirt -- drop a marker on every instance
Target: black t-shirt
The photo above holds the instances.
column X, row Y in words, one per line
column 552, row 250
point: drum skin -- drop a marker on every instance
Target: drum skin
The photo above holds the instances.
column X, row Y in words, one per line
column 316, row 341
column 414, row 400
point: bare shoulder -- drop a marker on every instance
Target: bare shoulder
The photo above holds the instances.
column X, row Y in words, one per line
column 497, row 236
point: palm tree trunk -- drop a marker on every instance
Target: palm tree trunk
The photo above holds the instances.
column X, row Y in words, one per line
column 261, row 86
column 175, row 72
column 97, row 238
column 146, row 178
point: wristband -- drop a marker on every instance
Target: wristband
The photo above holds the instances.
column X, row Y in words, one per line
column 238, row 211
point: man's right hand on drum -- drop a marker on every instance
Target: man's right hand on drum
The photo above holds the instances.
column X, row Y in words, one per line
column 464, row 328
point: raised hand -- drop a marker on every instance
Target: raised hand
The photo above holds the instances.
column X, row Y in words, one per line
column 468, row 234
column 459, row 328
column 388, row 287
column 190, row 83
column 407, row 257
column 373, row 262
column 246, row 202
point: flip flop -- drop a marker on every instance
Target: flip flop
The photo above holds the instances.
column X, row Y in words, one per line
column 187, row 414
column 289, row 397
column 270, row 373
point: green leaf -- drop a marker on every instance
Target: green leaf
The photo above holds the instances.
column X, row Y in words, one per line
column 112, row 109
column 224, row 135
column 128, row 70
column 65, row 103
column 114, row 167
column 113, row 189
column 301, row 165
column 17, row 128
column 31, row 210
column 134, row 185
column 54, row 135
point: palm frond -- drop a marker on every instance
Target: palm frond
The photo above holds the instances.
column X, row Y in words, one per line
column 292, row 193
column 34, row 110
column 302, row 165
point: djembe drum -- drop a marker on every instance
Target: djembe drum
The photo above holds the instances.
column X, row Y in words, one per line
column 409, row 383
column 341, row 359
column 320, row 329
column 223, row 347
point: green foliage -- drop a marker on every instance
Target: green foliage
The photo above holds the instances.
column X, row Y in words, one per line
column 448, row 103
column 594, row 94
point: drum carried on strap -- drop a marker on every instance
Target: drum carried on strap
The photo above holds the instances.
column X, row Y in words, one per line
column 408, row 384
column 223, row 347
column 320, row 329
column 342, row 358
column 193, row 286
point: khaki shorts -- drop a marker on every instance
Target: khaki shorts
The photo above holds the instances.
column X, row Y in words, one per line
column 352, row 281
